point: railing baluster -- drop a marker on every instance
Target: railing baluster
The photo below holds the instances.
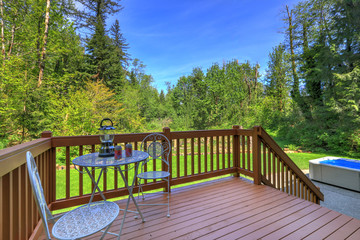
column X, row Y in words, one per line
column 287, row 180
column 244, row 152
column 45, row 175
column 292, row 183
column 199, row 155
column 22, row 207
column 92, row 169
column 307, row 193
column 192, row 157
column 223, row 151
column 302, row 190
column 273, row 168
column 313, row 199
column 228, row 150
column 264, row 159
column 136, row 147
column 5, row 200
column 67, row 171
column 178, row 158
column 206, row 153
column 146, row 165
column 81, row 182
column 282, row 176
column 269, row 164
column 34, row 211
column 278, row 172
column 104, row 176
column 154, row 167
column 217, row 153
column 248, row 153
column 211, row 154
column 185, row 157
column 14, row 203
column 28, row 200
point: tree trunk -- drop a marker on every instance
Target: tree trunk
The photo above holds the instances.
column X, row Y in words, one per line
column 43, row 53
column 2, row 29
column 295, row 93
column 12, row 39
column 248, row 83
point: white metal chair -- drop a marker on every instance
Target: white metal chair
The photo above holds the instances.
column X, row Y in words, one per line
column 158, row 147
column 78, row 223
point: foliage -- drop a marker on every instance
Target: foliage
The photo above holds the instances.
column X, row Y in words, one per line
column 327, row 58
column 82, row 111
column 309, row 95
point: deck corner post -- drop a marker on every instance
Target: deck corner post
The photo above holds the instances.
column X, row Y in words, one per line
column 46, row 134
column 236, row 150
column 256, row 152
column 167, row 133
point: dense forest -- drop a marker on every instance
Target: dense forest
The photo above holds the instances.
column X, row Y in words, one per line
column 62, row 68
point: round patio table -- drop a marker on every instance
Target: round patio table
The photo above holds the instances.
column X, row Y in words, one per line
column 93, row 160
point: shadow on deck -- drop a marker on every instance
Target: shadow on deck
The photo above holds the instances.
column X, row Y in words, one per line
column 233, row 208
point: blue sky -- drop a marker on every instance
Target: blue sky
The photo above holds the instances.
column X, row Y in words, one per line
column 172, row 37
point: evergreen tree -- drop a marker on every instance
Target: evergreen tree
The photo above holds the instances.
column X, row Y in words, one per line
column 106, row 57
column 278, row 76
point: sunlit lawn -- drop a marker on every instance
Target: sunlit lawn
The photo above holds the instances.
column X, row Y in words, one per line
column 87, row 187
column 300, row 159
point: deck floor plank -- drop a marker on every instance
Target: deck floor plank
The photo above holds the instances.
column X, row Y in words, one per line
column 245, row 219
column 346, row 230
column 311, row 227
column 259, row 227
column 203, row 213
column 220, row 214
column 354, row 236
column 329, row 228
column 278, row 224
column 233, row 208
column 298, row 224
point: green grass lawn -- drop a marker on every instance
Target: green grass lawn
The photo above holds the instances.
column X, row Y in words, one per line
column 300, row 159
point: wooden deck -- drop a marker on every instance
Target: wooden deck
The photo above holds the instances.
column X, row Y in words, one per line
column 232, row 208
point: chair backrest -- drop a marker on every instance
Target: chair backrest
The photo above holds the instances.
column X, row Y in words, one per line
column 157, row 146
column 38, row 192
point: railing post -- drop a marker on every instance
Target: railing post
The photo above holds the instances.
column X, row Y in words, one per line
column 46, row 134
column 52, row 169
column 5, row 210
column 256, row 152
column 167, row 133
column 236, row 150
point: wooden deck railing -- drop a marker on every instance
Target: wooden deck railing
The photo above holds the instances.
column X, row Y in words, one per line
column 195, row 155
column 279, row 171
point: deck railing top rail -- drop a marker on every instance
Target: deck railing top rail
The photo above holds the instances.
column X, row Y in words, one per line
column 13, row 157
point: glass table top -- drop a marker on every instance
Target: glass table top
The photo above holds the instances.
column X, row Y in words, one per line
column 93, row 159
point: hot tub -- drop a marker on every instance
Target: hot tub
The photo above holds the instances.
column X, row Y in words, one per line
column 340, row 172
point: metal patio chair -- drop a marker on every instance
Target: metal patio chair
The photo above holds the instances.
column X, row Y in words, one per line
column 158, row 147
column 78, row 223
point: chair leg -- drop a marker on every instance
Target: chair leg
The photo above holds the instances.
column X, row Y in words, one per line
column 141, row 190
column 168, row 198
